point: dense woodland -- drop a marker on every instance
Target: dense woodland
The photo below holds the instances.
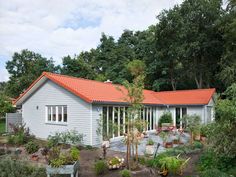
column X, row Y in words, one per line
column 191, row 46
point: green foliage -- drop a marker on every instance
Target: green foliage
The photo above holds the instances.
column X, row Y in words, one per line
column 173, row 164
column 136, row 67
column 24, row 68
column 209, row 160
column 12, row 168
column 197, row 144
column 100, row 167
column 57, row 157
column 166, row 117
column 213, row 172
column 193, row 123
column 74, row 152
column 5, row 105
column 2, row 125
column 31, row 147
column 223, row 132
column 125, row 173
column 150, row 142
column 114, row 161
column 156, row 162
column 20, row 135
column 164, row 136
column 67, row 137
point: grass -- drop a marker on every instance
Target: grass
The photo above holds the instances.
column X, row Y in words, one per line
column 2, row 126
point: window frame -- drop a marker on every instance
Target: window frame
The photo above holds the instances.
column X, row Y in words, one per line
column 56, row 108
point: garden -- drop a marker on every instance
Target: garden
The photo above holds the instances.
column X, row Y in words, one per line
column 194, row 150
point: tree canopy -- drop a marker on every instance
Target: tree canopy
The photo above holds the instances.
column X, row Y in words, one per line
column 191, row 46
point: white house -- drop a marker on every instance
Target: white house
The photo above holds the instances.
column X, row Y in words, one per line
column 58, row 103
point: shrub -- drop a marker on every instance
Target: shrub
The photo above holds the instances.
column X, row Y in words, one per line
column 20, row 135
column 173, row 164
column 150, row 142
column 12, row 168
column 197, row 144
column 67, row 137
column 31, row 147
column 125, row 173
column 100, row 167
column 155, row 163
column 74, row 153
column 165, row 118
column 213, row 173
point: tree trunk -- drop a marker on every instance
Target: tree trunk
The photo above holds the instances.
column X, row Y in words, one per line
column 136, row 144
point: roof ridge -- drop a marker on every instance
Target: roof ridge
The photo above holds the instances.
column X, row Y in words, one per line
column 189, row 90
column 101, row 82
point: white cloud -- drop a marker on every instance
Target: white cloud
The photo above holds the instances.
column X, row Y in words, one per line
column 56, row 28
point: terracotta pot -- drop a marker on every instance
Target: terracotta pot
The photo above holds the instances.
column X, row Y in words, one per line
column 35, row 157
column 169, row 145
column 175, row 141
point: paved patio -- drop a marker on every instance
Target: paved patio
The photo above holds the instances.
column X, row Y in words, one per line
column 118, row 145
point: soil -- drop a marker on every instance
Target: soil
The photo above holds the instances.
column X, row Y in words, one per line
column 89, row 157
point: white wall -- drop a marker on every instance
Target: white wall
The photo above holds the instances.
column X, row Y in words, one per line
column 79, row 112
column 97, row 113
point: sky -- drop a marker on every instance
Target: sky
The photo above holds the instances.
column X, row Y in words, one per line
column 56, row 28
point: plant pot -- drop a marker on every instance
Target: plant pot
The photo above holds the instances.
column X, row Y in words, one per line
column 175, row 141
column 65, row 169
column 168, row 145
column 106, row 143
column 34, row 157
column 149, row 149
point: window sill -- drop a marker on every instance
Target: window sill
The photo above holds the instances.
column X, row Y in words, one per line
column 56, row 123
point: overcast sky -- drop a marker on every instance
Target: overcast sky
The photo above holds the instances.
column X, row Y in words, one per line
column 55, row 28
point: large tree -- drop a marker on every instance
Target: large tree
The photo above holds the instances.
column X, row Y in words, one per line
column 202, row 41
column 24, row 68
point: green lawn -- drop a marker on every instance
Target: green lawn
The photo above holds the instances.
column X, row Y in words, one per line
column 2, row 126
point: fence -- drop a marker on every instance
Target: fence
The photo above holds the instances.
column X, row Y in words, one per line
column 13, row 118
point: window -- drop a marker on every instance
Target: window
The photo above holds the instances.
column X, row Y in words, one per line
column 56, row 114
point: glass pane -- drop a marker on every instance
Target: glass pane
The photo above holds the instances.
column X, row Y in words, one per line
column 152, row 116
column 49, row 113
column 116, row 121
column 110, row 122
column 121, row 121
column 104, row 121
column 65, row 113
column 177, row 114
column 54, row 113
column 60, row 113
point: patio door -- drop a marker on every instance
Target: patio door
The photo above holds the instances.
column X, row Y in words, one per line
column 179, row 114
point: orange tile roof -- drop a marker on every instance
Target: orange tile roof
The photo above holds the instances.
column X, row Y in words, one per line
column 185, row 97
column 95, row 91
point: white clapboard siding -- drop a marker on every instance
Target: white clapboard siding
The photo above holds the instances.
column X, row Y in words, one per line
column 79, row 112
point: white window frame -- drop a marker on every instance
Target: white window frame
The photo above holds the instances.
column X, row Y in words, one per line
column 62, row 122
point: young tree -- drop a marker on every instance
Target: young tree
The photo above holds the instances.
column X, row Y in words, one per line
column 134, row 96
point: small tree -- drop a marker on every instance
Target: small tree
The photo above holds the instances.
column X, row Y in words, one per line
column 193, row 124
column 133, row 93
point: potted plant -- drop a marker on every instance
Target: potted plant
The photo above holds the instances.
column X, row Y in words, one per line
column 164, row 136
column 63, row 162
column 169, row 142
column 115, row 163
column 150, row 147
